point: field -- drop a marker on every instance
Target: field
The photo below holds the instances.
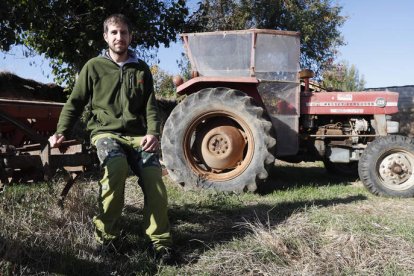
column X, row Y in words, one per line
column 301, row 222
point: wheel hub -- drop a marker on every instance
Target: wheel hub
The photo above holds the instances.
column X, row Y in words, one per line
column 222, row 147
column 218, row 144
column 395, row 169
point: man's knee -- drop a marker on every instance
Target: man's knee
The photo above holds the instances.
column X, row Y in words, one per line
column 108, row 148
column 149, row 160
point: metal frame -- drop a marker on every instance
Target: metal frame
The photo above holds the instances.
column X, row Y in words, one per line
column 35, row 151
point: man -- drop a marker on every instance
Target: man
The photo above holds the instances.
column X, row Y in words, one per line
column 124, row 128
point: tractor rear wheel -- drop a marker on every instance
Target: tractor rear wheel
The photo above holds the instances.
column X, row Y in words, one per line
column 386, row 166
column 217, row 138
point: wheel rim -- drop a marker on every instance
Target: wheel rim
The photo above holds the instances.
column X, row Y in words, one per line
column 218, row 145
column 395, row 170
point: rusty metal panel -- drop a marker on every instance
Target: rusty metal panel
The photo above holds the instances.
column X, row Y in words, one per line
column 198, row 83
column 31, row 109
column 22, row 121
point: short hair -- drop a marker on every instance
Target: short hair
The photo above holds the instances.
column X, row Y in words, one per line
column 116, row 19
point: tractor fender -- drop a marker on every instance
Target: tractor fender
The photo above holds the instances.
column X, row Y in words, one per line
column 246, row 84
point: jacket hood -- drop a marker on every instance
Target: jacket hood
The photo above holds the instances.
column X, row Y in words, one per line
column 132, row 57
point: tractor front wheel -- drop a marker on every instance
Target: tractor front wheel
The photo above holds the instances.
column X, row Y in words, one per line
column 217, row 138
column 386, row 166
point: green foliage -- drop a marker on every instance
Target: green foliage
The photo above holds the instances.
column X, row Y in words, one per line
column 163, row 83
column 185, row 67
column 342, row 77
column 317, row 20
column 70, row 32
column 8, row 26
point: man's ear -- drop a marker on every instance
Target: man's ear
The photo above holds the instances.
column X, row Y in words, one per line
column 105, row 36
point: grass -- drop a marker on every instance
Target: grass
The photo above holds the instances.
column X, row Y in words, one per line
column 300, row 222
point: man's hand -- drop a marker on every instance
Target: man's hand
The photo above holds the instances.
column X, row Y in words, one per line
column 56, row 139
column 149, row 143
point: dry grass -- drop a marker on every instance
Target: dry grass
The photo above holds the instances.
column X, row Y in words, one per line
column 39, row 237
column 308, row 248
column 326, row 226
column 302, row 246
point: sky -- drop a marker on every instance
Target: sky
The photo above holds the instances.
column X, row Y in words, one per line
column 379, row 38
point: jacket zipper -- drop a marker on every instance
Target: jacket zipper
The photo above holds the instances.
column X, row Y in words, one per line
column 122, row 95
column 131, row 81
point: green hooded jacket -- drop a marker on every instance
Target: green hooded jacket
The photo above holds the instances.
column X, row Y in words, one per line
column 122, row 99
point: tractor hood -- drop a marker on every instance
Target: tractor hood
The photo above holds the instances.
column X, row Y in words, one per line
column 358, row 103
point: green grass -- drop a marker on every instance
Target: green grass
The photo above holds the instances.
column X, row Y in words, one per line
column 301, row 221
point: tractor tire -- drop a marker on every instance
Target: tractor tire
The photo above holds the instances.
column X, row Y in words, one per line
column 341, row 169
column 386, row 166
column 217, row 139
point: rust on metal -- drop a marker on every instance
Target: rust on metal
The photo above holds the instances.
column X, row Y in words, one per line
column 222, row 147
column 195, row 83
column 210, row 128
column 25, row 154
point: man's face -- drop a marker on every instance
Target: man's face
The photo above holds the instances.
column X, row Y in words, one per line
column 118, row 38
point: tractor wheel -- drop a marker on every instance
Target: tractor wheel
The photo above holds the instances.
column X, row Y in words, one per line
column 217, row 138
column 342, row 169
column 386, row 166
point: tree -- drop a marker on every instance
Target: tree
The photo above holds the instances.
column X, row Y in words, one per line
column 317, row 20
column 163, row 83
column 342, row 77
column 70, row 32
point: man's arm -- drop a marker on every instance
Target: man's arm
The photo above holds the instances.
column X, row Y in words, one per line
column 151, row 112
column 150, row 141
column 72, row 109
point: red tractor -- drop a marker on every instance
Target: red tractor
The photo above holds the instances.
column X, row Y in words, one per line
column 244, row 107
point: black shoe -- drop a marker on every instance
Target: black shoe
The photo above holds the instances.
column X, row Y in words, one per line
column 110, row 247
column 106, row 248
column 165, row 255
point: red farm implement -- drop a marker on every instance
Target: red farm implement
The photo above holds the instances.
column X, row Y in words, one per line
column 25, row 154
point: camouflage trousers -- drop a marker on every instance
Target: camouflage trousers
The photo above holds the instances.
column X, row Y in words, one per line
column 115, row 153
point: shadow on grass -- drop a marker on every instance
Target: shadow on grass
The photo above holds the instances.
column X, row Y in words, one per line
column 58, row 252
column 26, row 259
column 296, row 176
column 19, row 258
column 200, row 228
column 197, row 227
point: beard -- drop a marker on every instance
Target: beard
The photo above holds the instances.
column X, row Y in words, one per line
column 118, row 50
